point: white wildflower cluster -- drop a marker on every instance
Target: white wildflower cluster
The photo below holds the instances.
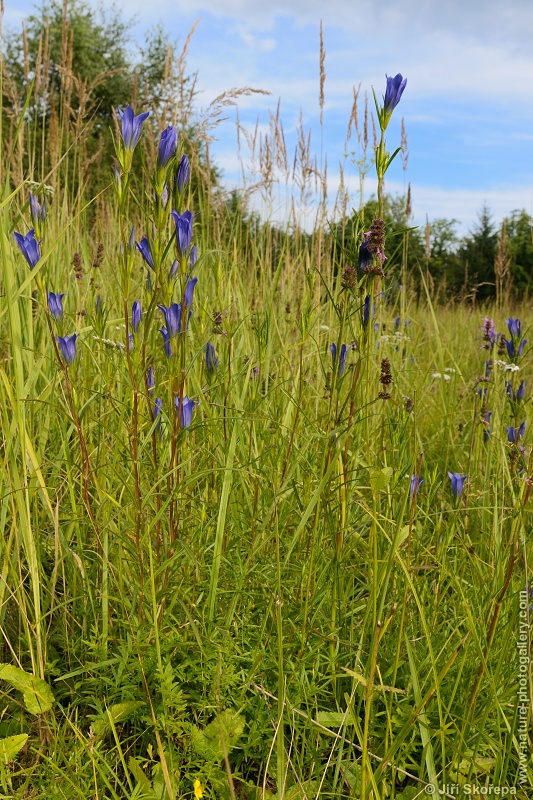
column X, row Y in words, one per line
column 506, row 367
column 439, row 376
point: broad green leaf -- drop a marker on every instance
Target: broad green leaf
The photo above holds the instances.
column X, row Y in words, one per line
column 117, row 713
column 10, row 746
column 37, row 695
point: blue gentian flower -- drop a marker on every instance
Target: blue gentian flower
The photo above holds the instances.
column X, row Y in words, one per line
column 342, row 359
column 167, row 145
column 211, row 361
column 366, row 311
column 416, row 480
column 193, row 257
column 187, row 407
column 29, row 247
column 150, row 380
column 157, row 409
column 183, row 229
column 513, row 351
column 67, row 345
column 521, row 391
column 515, row 327
column 144, row 249
column 458, row 482
column 131, row 126
column 166, row 341
column 364, row 260
column 397, row 322
column 183, row 174
column 393, row 93
column 174, row 268
column 38, row 214
column 172, row 316
column 55, row 305
column 189, row 291
column 514, row 435
column 136, row 316
column 486, row 420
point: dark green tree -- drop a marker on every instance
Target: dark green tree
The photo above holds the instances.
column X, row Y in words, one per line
column 520, row 243
column 477, row 254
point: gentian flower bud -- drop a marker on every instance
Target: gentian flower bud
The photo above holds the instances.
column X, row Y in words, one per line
column 183, row 174
column 193, row 257
column 157, row 409
column 29, row 247
column 364, row 260
column 38, row 214
column 166, row 341
column 342, row 359
column 183, row 224
column 55, row 305
column 416, row 480
column 393, row 92
column 486, row 420
column 211, row 361
column 67, row 345
column 366, row 311
column 144, row 249
column 174, row 268
column 521, row 391
column 187, row 407
column 167, row 145
column 515, row 327
column 458, row 482
column 172, row 316
column 189, row 291
column 136, row 316
column 131, row 126
column 514, row 435
column 150, row 380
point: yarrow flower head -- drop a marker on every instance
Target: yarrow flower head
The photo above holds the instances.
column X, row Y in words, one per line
column 67, row 346
column 458, row 482
column 55, row 305
column 131, row 126
column 29, row 247
column 187, row 407
column 167, row 145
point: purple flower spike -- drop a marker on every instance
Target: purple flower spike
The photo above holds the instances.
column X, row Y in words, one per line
column 211, row 361
column 458, row 482
column 172, row 316
column 144, row 249
column 416, row 480
column 393, row 93
column 131, row 126
column 67, row 345
column 183, row 229
column 166, row 341
column 167, row 145
column 183, row 174
column 187, row 408
column 29, row 247
column 136, row 316
column 55, row 305
column 189, row 291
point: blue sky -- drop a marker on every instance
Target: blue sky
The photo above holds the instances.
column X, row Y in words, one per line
column 468, row 105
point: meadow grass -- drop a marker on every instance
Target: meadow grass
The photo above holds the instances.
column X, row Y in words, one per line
column 261, row 603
